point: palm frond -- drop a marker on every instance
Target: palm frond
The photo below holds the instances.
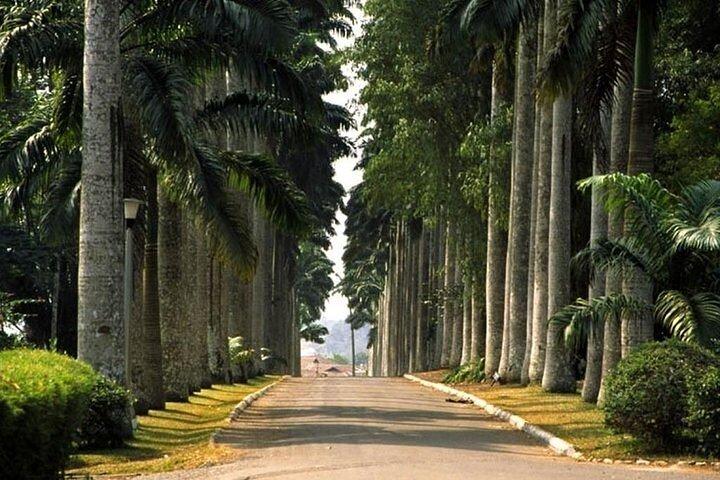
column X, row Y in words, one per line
column 60, row 220
column 579, row 317
column 695, row 224
column 267, row 23
column 490, row 20
column 271, row 188
column 616, row 257
column 244, row 112
column 690, row 318
column 202, row 188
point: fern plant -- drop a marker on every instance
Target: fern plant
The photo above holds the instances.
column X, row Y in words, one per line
column 472, row 372
column 673, row 239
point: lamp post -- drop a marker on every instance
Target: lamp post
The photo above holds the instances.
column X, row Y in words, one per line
column 132, row 205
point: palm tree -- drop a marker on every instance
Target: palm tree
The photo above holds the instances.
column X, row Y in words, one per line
column 101, row 330
column 158, row 70
column 598, row 231
column 519, row 231
column 153, row 371
column 671, row 239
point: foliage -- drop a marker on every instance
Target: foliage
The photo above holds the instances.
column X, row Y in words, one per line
column 703, row 418
column 242, row 356
column 473, row 372
column 690, row 150
column 672, row 239
column 339, row 359
column 43, row 398
column 647, row 394
column 313, row 285
column 108, row 421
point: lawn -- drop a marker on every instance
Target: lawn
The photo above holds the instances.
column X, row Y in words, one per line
column 174, row 438
column 565, row 415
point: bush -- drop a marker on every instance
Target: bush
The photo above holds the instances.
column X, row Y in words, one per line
column 108, row 421
column 472, row 372
column 43, row 397
column 648, row 393
column 703, row 418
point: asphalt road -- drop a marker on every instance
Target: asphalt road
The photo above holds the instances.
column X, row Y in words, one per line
column 365, row 428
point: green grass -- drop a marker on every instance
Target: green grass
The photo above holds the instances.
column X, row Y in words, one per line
column 174, row 438
column 566, row 416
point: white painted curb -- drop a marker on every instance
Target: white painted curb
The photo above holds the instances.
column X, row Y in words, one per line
column 558, row 445
column 246, row 402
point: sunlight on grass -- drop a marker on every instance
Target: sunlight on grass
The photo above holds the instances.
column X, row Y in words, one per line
column 174, row 438
column 565, row 415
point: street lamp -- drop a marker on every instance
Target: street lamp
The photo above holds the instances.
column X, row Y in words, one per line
column 132, row 205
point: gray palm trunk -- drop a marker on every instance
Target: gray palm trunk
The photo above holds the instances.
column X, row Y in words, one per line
column 519, row 232
column 438, row 283
column 558, row 376
column 467, row 321
column 457, row 306
column 259, row 284
column 525, row 378
column 598, row 231
column 173, row 329
column 101, row 328
column 619, row 142
column 496, row 243
column 477, row 341
column 196, row 340
column 448, row 310
column 154, row 393
column 542, row 219
column 424, row 259
column 639, row 328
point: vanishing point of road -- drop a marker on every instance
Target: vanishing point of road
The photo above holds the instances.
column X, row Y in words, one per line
column 390, row 428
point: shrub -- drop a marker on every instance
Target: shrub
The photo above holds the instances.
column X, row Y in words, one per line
column 647, row 395
column 703, row 418
column 43, row 397
column 108, row 421
column 472, row 372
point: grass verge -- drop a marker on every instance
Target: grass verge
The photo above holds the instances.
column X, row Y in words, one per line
column 174, row 438
column 564, row 415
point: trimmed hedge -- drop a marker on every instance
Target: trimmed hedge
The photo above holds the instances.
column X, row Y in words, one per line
column 43, row 398
column 108, row 421
column 666, row 394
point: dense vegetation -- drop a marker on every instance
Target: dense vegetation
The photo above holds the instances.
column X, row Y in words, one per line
column 522, row 154
column 224, row 137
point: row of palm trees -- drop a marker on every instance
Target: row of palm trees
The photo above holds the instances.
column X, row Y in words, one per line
column 445, row 286
column 211, row 113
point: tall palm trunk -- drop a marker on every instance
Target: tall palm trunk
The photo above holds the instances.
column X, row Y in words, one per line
column 457, row 305
column 173, row 331
column 496, row 239
column 519, row 232
column 598, row 231
column 439, row 282
column 101, row 328
column 639, row 329
column 467, row 321
column 424, row 259
column 448, row 311
column 525, row 378
column 542, row 219
column 619, row 140
column 558, row 376
column 153, row 368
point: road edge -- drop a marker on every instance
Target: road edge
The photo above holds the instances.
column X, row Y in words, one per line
column 556, row 444
column 245, row 404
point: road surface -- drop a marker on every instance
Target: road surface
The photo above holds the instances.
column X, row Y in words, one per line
column 390, row 428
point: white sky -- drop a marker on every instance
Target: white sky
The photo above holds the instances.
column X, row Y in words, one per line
column 336, row 309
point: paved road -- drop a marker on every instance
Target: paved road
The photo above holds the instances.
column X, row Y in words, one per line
column 364, row 428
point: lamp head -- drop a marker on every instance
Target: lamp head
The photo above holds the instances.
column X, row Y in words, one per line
column 132, row 206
